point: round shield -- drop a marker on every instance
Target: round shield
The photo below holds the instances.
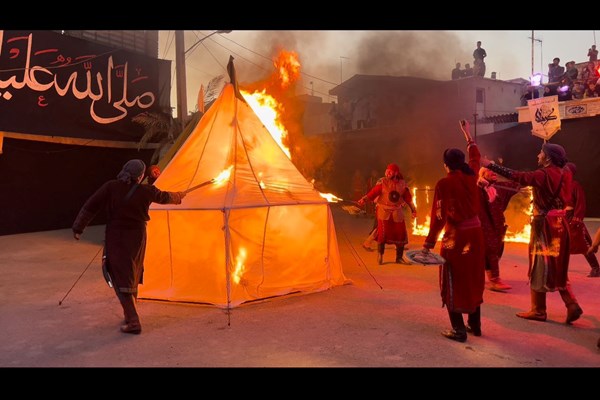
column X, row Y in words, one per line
column 394, row 196
column 418, row 257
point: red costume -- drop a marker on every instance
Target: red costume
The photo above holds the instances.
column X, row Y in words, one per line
column 455, row 209
column 391, row 194
column 549, row 242
column 580, row 237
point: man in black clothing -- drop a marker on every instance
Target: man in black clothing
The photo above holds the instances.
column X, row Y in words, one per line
column 478, row 64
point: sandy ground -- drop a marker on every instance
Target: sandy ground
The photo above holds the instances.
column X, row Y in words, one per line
column 390, row 316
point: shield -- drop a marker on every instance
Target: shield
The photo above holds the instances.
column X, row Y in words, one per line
column 419, row 257
column 394, row 196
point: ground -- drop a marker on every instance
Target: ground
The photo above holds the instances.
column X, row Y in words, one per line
column 390, row 316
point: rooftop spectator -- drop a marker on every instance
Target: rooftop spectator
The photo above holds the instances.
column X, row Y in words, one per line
column 457, row 72
column 593, row 53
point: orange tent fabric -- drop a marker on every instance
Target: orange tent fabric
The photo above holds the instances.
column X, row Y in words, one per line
column 264, row 232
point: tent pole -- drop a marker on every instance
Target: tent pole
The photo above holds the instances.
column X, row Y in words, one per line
column 227, row 263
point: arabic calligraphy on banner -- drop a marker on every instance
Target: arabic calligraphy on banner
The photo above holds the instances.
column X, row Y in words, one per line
column 59, row 85
column 545, row 117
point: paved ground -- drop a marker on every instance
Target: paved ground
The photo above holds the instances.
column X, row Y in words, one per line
column 390, row 316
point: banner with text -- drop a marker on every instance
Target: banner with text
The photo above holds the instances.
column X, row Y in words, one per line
column 545, row 116
column 53, row 84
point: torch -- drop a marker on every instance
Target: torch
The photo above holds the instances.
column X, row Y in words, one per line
column 222, row 177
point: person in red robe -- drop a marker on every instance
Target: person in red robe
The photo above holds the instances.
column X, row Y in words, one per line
column 494, row 196
column 391, row 193
column 550, row 240
column 580, row 236
column 593, row 249
column 126, row 202
column 455, row 209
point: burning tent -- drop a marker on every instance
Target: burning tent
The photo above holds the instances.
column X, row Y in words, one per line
column 263, row 232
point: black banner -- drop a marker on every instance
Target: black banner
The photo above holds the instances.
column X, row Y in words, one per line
column 53, row 84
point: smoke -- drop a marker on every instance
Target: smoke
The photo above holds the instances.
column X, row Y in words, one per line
column 423, row 54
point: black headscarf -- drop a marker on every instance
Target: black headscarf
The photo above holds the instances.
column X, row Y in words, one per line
column 455, row 159
column 131, row 171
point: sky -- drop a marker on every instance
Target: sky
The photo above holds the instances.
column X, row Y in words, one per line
column 329, row 57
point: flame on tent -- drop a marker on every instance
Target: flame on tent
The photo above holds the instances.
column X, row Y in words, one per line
column 240, row 266
column 264, row 103
column 223, row 176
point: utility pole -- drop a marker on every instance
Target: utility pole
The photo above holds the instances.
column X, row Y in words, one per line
column 180, row 53
column 532, row 39
column 181, row 78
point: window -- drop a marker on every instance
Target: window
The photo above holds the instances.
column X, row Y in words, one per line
column 479, row 95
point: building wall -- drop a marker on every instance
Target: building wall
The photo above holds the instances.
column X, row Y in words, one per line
column 142, row 42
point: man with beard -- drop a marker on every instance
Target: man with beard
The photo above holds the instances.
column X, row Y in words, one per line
column 549, row 241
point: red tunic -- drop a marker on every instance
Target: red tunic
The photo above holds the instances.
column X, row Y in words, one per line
column 580, row 237
column 391, row 227
column 549, row 242
column 455, row 209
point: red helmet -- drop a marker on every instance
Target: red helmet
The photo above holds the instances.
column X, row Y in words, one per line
column 393, row 167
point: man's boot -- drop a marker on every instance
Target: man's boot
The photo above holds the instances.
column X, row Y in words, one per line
column 574, row 311
column 458, row 331
column 538, row 307
column 496, row 284
column 132, row 319
column 474, row 322
column 380, row 251
column 593, row 261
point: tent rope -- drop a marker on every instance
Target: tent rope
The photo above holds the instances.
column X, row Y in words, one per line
column 357, row 256
column 77, row 280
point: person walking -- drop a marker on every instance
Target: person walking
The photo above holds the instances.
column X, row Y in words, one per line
column 549, row 241
column 126, row 202
column 455, row 209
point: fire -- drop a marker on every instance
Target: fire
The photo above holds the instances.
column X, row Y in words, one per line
column 332, row 198
column 421, row 229
column 522, row 214
column 223, row 176
column 266, row 106
column 268, row 111
column 288, row 66
column 518, row 214
column 240, row 266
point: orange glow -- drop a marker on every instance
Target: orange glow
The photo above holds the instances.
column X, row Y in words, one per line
column 240, row 266
column 523, row 235
column 288, row 66
column 518, row 213
column 268, row 111
column 332, row 198
column 223, row 176
column 421, row 229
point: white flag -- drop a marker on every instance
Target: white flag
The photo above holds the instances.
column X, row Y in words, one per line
column 545, row 117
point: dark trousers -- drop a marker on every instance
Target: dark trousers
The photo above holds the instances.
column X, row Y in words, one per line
column 458, row 324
